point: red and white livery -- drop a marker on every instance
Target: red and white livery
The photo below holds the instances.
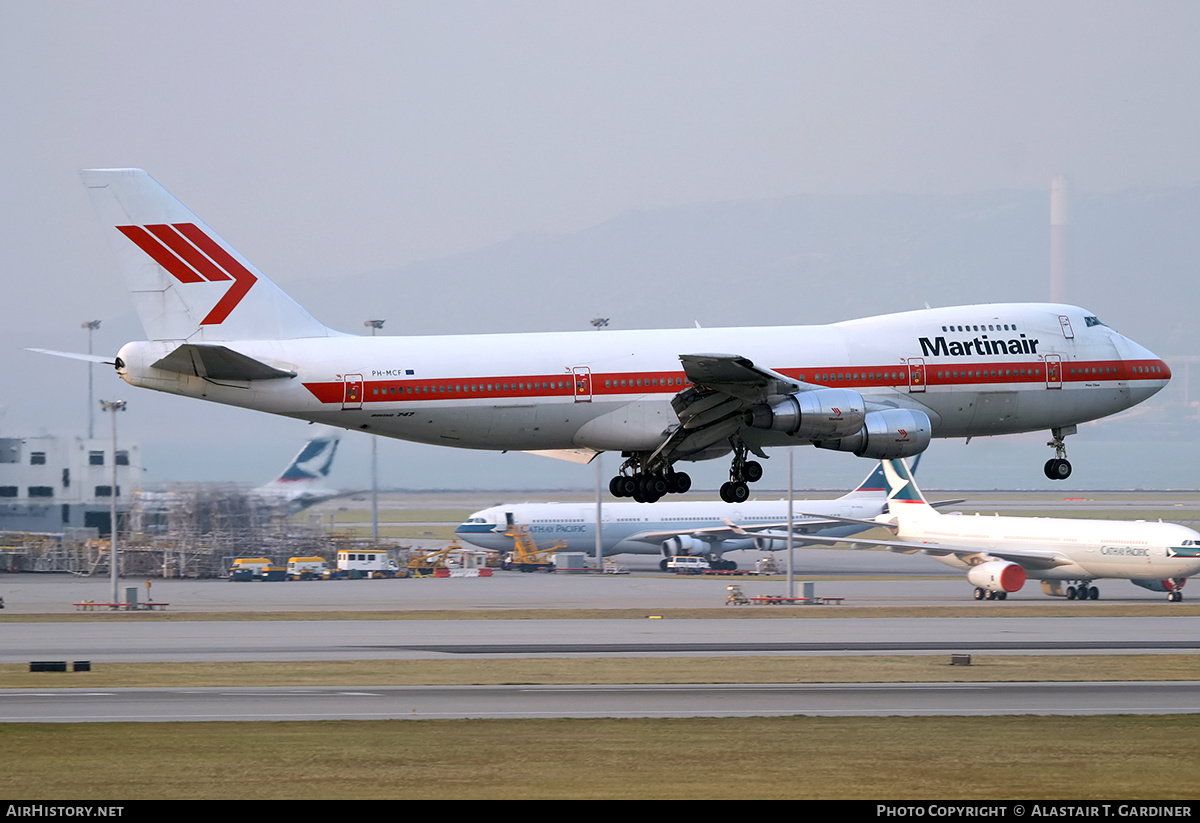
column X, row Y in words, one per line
column 879, row 387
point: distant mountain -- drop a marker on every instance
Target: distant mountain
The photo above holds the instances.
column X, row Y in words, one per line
column 807, row 259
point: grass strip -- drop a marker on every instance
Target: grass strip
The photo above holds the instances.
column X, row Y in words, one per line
column 1057, row 758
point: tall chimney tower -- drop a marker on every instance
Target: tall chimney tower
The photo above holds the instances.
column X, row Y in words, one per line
column 1058, row 239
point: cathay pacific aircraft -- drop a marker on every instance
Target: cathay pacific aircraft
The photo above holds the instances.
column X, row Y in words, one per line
column 678, row 528
column 879, row 387
column 1000, row 553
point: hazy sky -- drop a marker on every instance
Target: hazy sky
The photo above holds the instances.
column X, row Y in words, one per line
column 325, row 139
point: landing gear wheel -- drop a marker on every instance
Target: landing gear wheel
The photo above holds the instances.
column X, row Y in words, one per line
column 662, row 564
column 678, row 483
column 1070, row 592
column 1174, row 597
column 732, row 492
column 1058, row 469
column 980, row 594
column 1093, row 593
column 622, row 486
column 752, row 472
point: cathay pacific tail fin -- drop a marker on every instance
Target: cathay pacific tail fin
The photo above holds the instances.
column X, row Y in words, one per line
column 903, row 494
column 314, row 461
column 301, row 483
column 876, row 484
column 188, row 284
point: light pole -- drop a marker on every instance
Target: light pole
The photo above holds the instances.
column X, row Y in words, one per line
column 374, row 326
column 113, row 406
column 91, row 326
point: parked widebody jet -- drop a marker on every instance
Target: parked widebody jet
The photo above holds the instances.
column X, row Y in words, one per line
column 1000, row 553
column 680, row 528
column 878, row 387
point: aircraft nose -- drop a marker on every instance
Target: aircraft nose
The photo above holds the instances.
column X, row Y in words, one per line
column 1146, row 372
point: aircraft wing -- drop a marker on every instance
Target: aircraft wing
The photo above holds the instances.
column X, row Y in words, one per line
column 737, row 377
column 875, row 524
column 723, row 387
column 1029, row 559
column 715, row 534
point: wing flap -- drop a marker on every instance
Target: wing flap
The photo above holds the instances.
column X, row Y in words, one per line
column 219, row 363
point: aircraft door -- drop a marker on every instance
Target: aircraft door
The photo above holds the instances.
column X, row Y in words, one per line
column 1053, row 371
column 583, row 384
column 916, row 374
column 352, row 397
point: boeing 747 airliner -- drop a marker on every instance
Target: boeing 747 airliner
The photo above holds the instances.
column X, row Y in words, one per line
column 879, row 387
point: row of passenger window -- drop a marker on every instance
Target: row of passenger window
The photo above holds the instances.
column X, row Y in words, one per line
column 982, row 327
column 643, row 382
column 460, row 388
column 969, row 373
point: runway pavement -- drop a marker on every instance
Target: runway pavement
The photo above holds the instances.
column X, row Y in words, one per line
column 130, row 638
column 508, row 702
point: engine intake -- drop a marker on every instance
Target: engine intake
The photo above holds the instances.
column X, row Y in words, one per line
column 886, row 435
column 997, row 576
column 812, row 415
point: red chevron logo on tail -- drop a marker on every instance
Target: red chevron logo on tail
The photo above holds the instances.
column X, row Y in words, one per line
column 191, row 256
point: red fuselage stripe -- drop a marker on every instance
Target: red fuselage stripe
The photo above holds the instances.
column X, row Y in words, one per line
column 670, row 383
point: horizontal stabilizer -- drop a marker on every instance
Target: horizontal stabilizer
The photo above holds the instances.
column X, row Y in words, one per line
column 218, row 363
column 90, row 358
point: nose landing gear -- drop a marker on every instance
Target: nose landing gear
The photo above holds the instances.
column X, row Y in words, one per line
column 1059, row 467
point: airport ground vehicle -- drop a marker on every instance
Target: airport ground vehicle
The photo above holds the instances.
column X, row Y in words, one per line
column 307, row 568
column 687, row 564
column 366, row 563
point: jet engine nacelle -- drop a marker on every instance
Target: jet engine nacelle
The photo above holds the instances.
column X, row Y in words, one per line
column 886, row 435
column 769, row 544
column 812, row 415
column 1160, row 585
column 680, row 544
column 997, row 576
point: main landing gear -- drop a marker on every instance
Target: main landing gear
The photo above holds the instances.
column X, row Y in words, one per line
column 1059, row 467
column 646, row 477
column 1082, row 592
column 647, row 487
column 741, row 473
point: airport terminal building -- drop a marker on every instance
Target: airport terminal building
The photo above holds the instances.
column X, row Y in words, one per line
column 52, row 484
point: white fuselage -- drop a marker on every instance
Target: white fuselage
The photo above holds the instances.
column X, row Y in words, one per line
column 1011, row 368
column 669, row 528
column 1129, row 550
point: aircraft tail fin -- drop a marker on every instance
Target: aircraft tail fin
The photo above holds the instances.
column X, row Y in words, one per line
column 313, row 463
column 903, row 495
column 876, row 484
column 188, row 283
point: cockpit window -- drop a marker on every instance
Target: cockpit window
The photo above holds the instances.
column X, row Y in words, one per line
column 1092, row 320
